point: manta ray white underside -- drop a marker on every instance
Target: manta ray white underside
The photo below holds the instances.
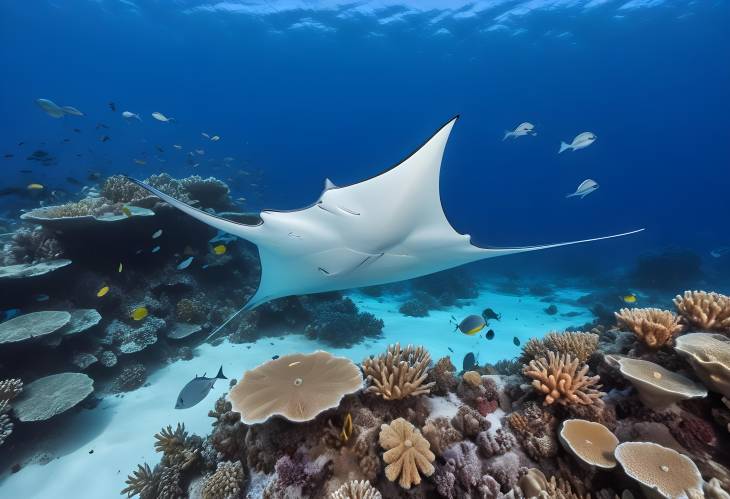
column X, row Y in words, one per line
column 387, row 228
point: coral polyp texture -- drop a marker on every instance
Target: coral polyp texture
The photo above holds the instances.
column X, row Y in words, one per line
column 563, row 380
column 705, row 311
column 709, row 356
column 297, row 387
column 578, row 344
column 653, row 326
column 399, row 373
column 658, row 387
column 407, row 454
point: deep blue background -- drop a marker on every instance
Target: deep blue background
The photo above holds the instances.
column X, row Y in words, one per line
column 303, row 104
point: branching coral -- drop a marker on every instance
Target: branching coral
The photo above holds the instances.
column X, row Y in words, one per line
column 142, row 481
column 442, row 374
column 653, row 326
column 31, row 246
column 169, row 440
column 706, row 311
column 356, row 489
column 563, row 380
column 225, row 483
column 207, row 192
column 407, row 453
column 469, row 422
column 399, row 373
column 534, row 484
column 496, row 444
column 578, row 344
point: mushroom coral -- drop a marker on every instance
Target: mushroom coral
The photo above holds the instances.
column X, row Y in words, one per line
column 709, row 356
column 653, row 326
column 561, row 380
column 297, row 387
column 591, row 443
column 658, row 388
column 707, row 311
column 399, row 373
column 406, row 453
column 660, row 471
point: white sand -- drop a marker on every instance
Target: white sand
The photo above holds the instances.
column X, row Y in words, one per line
column 120, row 429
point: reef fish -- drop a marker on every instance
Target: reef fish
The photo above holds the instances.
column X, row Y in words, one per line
column 368, row 233
column 581, row 141
column 629, row 298
column 139, row 313
column 490, row 314
column 719, row 252
column 185, row 263
column 127, row 115
column 585, row 188
column 219, row 249
column 520, row 130
column 55, row 111
column 35, row 187
column 155, row 249
column 156, row 233
column 161, row 117
column 471, row 325
column 489, row 334
column 469, row 362
column 103, row 291
column 516, row 341
column 120, row 267
column 196, row 390
column 215, row 138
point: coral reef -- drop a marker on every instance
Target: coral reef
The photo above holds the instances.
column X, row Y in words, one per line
column 442, row 376
column 32, row 326
column 653, row 326
column 706, row 311
column 578, row 344
column 657, row 387
column 143, row 482
column 31, row 246
column 225, row 483
column 332, row 318
column 356, row 489
column 46, row 397
column 709, row 356
column 203, row 192
column 562, row 380
column 399, row 373
column 129, row 378
column 407, row 453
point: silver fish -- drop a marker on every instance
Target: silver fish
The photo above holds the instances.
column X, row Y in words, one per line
column 581, row 141
column 585, row 188
column 196, row 390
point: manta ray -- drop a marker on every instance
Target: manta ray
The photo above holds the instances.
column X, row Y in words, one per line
column 390, row 227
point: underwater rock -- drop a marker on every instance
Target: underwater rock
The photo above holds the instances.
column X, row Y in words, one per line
column 32, row 326
column 46, row 397
column 130, row 378
column 129, row 339
column 27, row 270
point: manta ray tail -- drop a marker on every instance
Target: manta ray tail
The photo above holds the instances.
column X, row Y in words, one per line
column 492, row 252
column 243, row 231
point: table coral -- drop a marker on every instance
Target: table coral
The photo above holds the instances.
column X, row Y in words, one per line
column 653, row 326
column 563, row 380
column 407, row 453
column 706, row 311
column 399, row 373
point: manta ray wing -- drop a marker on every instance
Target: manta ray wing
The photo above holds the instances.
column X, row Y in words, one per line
column 388, row 228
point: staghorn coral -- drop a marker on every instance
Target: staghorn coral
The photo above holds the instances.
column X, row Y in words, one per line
column 508, row 367
column 442, row 375
column 440, row 434
column 407, row 453
column 578, row 344
column 225, row 483
column 653, row 326
column 170, row 441
column 356, row 489
column 706, row 311
column 469, row 422
column 143, row 482
column 31, row 246
column 561, row 380
column 534, row 484
column 399, row 373
column 10, row 388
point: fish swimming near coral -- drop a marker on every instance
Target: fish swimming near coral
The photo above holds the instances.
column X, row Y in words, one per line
column 372, row 232
column 629, row 298
column 196, row 390
column 185, row 263
column 55, row 111
column 490, row 314
column 471, row 325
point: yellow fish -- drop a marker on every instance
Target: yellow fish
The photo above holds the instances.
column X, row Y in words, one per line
column 103, row 291
column 35, row 187
column 140, row 161
column 120, row 267
column 139, row 313
column 126, row 211
column 220, row 249
column 346, row 428
column 630, row 298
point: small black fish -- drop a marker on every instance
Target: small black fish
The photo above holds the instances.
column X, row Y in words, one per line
column 516, row 341
column 489, row 335
column 489, row 314
column 8, row 156
column 469, row 362
column 450, row 350
column 67, row 140
column 274, row 357
column 78, row 155
column 271, row 343
column 91, row 451
column 104, row 138
column 77, row 130
column 25, row 171
column 159, row 149
column 20, row 143
column 112, row 106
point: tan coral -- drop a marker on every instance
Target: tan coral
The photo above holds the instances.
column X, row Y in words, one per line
column 440, row 434
column 225, row 483
column 591, row 443
column 142, row 482
column 706, row 311
column 709, row 356
column 535, row 485
column 563, row 380
column 660, row 471
column 653, row 326
column 170, row 441
column 407, row 453
column 473, row 378
column 356, row 489
column 297, row 387
column 399, row 373
column 658, row 388
column 578, row 344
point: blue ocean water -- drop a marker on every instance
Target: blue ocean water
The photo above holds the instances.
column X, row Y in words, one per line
column 299, row 91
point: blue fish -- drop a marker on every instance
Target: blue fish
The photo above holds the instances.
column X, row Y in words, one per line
column 516, row 341
column 155, row 249
column 185, row 263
